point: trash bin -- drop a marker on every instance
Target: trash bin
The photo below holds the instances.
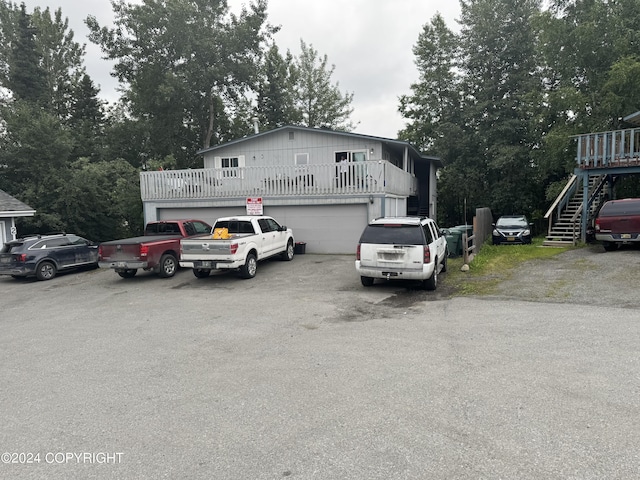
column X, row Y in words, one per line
column 468, row 229
column 454, row 241
column 299, row 248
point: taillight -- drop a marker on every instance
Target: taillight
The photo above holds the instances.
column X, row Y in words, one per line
column 427, row 254
column 597, row 224
column 358, row 252
column 144, row 250
column 21, row 257
column 100, row 252
column 234, row 248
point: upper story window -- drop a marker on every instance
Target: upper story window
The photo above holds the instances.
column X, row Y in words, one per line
column 230, row 162
column 230, row 167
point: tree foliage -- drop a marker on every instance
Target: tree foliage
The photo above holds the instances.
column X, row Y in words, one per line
column 320, row 103
column 499, row 100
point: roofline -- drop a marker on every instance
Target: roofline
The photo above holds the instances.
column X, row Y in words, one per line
column 634, row 118
column 401, row 143
column 17, row 213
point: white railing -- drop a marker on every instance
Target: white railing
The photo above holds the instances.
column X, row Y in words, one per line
column 327, row 179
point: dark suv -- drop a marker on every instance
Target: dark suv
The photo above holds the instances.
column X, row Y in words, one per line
column 45, row 255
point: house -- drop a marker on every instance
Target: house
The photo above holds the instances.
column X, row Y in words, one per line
column 10, row 209
column 325, row 185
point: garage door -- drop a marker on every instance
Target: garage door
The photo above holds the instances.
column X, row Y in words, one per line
column 207, row 214
column 324, row 228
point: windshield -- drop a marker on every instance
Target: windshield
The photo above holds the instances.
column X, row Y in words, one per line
column 512, row 222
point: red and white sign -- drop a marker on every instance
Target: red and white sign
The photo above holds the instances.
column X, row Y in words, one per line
column 254, row 206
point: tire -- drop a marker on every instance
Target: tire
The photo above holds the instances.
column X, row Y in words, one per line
column 128, row 273
column 248, row 270
column 431, row 283
column 201, row 272
column 168, row 266
column 444, row 261
column 610, row 246
column 46, row 271
column 287, row 255
column 366, row 281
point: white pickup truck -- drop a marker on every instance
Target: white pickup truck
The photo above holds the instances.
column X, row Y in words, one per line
column 237, row 243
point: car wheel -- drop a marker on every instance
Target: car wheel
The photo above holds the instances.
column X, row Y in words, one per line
column 128, row 273
column 168, row 265
column 610, row 246
column 248, row 270
column 432, row 282
column 46, row 271
column 444, row 261
column 201, row 272
column 366, row 281
column 289, row 252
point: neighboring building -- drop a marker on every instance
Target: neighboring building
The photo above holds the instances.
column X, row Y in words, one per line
column 10, row 209
column 325, row 185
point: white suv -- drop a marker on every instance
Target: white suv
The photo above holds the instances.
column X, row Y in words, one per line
column 402, row 248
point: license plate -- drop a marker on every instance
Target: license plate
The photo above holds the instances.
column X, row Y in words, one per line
column 511, row 239
column 122, row 265
column 625, row 235
column 5, row 260
column 205, row 264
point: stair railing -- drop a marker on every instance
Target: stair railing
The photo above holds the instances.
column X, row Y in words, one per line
column 593, row 196
column 561, row 202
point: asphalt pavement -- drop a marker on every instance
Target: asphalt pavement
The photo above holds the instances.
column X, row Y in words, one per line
column 303, row 373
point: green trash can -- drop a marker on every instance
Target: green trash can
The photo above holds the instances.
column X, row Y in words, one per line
column 468, row 229
column 454, row 241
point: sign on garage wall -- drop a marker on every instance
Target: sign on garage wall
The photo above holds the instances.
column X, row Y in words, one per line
column 254, row 206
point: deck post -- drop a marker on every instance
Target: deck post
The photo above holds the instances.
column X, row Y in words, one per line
column 585, row 206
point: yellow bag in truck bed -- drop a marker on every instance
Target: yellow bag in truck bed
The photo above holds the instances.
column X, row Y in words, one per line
column 221, row 234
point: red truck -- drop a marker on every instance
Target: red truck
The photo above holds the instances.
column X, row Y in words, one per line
column 618, row 223
column 157, row 250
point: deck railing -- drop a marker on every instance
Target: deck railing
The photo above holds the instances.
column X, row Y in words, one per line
column 618, row 148
column 327, row 179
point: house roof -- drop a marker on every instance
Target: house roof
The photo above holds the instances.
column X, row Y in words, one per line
column 12, row 207
column 633, row 119
column 394, row 145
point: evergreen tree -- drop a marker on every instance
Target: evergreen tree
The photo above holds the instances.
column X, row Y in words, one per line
column 276, row 104
column 26, row 77
column 320, row 103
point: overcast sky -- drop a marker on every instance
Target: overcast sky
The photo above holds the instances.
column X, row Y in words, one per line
column 369, row 41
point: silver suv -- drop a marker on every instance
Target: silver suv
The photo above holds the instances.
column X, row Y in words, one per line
column 402, row 248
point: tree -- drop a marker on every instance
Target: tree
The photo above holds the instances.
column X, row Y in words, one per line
column 435, row 97
column 320, row 102
column 184, row 65
column 26, row 78
column 276, row 103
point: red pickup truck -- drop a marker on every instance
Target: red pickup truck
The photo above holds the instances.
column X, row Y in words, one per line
column 158, row 250
column 618, row 223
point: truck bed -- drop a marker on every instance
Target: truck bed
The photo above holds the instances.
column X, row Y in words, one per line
column 142, row 239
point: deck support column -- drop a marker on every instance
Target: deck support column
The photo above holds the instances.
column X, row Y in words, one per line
column 584, row 218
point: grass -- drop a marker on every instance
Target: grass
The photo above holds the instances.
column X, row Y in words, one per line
column 492, row 265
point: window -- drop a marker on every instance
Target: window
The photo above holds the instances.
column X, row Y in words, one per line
column 229, row 167
column 231, row 162
column 302, row 159
column 200, row 227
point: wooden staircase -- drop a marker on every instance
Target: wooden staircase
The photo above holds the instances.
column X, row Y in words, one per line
column 565, row 227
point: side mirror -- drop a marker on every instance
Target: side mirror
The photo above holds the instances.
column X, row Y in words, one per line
column 283, row 228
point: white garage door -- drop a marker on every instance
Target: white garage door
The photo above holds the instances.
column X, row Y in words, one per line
column 324, row 228
column 206, row 214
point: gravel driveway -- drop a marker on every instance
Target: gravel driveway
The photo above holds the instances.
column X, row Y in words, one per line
column 584, row 276
column 302, row 373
